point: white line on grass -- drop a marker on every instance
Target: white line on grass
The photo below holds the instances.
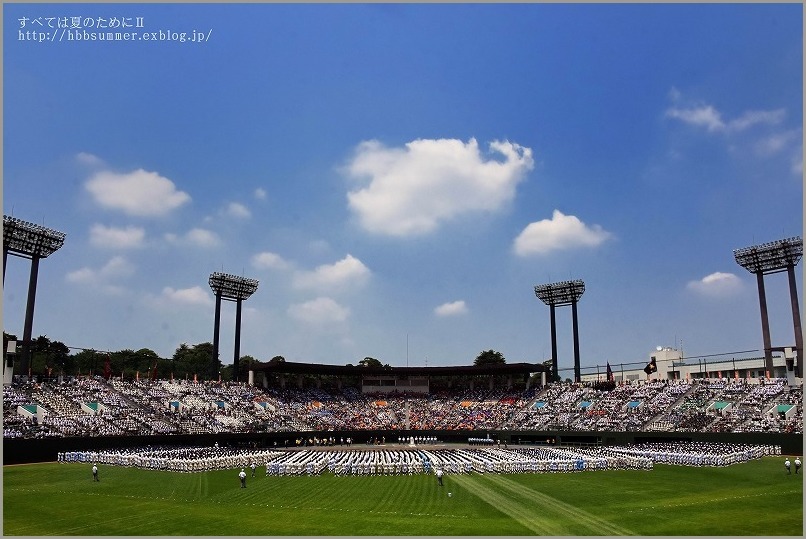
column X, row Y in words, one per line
column 515, row 509
column 700, row 502
column 544, row 502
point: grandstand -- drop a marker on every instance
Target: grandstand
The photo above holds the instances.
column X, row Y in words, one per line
column 492, row 403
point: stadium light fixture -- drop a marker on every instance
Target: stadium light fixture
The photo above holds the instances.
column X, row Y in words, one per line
column 774, row 257
column 26, row 239
column 559, row 294
column 770, row 257
column 562, row 293
column 32, row 241
column 232, row 288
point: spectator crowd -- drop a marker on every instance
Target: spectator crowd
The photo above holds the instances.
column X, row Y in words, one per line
column 98, row 407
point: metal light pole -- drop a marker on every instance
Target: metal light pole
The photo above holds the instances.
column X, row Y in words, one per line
column 765, row 259
column 35, row 242
column 559, row 294
column 232, row 288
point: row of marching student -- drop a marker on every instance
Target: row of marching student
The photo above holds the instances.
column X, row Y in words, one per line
column 407, row 461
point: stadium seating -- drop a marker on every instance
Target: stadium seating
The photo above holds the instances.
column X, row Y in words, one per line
column 97, row 407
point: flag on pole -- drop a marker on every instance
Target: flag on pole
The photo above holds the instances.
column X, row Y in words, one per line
column 609, row 373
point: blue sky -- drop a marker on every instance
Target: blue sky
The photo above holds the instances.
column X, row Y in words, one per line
column 400, row 177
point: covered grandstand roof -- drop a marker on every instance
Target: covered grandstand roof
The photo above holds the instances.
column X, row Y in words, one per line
column 289, row 367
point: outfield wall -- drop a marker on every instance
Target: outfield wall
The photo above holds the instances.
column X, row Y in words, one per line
column 21, row 450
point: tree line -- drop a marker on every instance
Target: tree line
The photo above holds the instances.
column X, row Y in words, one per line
column 52, row 358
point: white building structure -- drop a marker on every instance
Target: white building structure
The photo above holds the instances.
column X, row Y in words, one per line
column 671, row 365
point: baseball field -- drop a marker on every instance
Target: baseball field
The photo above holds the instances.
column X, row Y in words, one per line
column 756, row 498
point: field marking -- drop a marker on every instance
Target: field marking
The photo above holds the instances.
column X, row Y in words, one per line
column 516, row 510
column 244, row 501
column 95, row 524
column 722, row 499
column 595, row 524
column 129, row 530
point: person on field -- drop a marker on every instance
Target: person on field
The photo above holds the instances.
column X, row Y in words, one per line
column 439, row 476
column 253, row 468
column 242, row 477
column 95, row 472
column 797, row 464
column 788, row 466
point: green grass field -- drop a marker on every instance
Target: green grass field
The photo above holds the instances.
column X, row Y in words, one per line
column 754, row 498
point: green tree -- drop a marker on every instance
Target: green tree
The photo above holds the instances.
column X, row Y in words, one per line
column 489, row 357
column 149, row 358
column 370, row 362
column 245, row 364
column 89, row 361
column 48, row 357
column 55, row 354
column 126, row 363
column 196, row 360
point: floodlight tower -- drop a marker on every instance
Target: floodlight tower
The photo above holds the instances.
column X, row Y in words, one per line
column 232, row 288
column 775, row 257
column 28, row 240
column 555, row 295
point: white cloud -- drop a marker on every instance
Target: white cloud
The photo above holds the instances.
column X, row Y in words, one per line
column 116, row 267
column 267, row 260
column 451, row 309
column 118, row 238
column 202, row 237
column 139, row 193
column 349, row 270
column 776, row 142
column 318, row 311
column 260, row 193
column 234, row 209
column 703, row 116
column 83, row 275
column 88, row 159
column 773, row 142
column 755, row 117
column 710, row 118
column 188, row 296
column 717, row 284
column 199, row 237
column 558, row 233
column 412, row 190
